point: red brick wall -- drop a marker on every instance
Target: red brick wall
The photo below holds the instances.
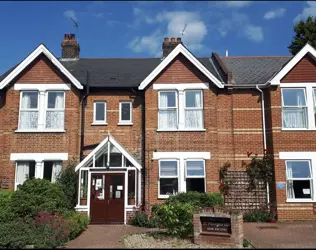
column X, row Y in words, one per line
column 225, row 141
column 303, row 71
column 40, row 71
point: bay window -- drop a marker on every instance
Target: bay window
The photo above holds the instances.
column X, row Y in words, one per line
column 299, row 180
column 168, row 177
column 41, row 110
column 294, row 108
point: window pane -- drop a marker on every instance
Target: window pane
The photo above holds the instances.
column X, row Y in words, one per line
column 168, row 168
column 125, row 111
column 293, row 97
column 196, row 184
column 115, row 160
column 131, row 186
column 28, row 119
column 55, row 100
column 48, row 168
column 55, row 119
column 193, row 99
column 29, row 100
column 299, row 189
column 167, row 119
column 100, row 161
column 168, row 186
column 167, row 100
column 83, row 186
column 193, row 118
column 294, row 118
column 195, row 168
column 315, row 104
column 100, row 111
column 298, row 169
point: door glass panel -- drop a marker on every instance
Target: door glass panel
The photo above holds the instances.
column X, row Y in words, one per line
column 98, row 186
column 116, row 189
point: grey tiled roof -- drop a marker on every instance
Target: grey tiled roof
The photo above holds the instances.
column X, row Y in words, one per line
column 115, row 72
column 254, row 70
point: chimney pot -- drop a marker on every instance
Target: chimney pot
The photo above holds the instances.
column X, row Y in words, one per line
column 179, row 40
column 173, row 39
column 166, row 40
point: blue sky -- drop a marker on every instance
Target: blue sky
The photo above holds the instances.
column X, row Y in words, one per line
column 137, row 29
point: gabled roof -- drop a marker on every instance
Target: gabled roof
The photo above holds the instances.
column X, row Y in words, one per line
column 175, row 52
column 86, row 161
column 290, row 65
column 250, row 70
column 8, row 77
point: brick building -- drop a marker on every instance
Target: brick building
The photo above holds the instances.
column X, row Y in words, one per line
column 143, row 129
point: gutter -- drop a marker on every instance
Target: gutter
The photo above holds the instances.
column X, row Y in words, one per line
column 83, row 103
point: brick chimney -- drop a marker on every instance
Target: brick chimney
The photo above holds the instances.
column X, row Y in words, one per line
column 169, row 45
column 70, row 47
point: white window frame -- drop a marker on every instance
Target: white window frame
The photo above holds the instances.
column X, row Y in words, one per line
column 126, row 122
column 29, row 109
column 301, row 156
column 309, row 96
column 163, row 196
column 50, row 109
column 169, row 108
column 195, row 176
column 95, row 121
column 192, row 108
column 295, row 107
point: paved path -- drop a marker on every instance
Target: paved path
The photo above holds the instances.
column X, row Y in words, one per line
column 300, row 234
column 104, row 236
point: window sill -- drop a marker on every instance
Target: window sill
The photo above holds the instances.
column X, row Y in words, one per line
column 125, row 123
column 162, row 197
column 181, row 130
column 300, row 201
column 297, row 129
column 99, row 124
column 40, row 131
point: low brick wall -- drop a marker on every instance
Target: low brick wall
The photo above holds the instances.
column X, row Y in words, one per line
column 233, row 238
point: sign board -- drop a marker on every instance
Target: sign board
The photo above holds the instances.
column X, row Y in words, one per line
column 215, row 224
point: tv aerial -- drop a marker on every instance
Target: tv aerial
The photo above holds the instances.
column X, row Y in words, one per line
column 182, row 32
column 76, row 26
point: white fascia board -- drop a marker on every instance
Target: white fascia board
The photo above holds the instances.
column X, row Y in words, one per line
column 181, row 86
column 296, row 155
column 276, row 80
column 181, row 155
column 40, row 49
column 179, row 49
column 42, row 87
column 38, row 157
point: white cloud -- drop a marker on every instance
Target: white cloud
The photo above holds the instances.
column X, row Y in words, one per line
column 70, row 14
column 150, row 44
column 254, row 33
column 272, row 14
column 310, row 10
column 233, row 4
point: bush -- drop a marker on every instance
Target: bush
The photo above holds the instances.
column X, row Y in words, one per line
column 5, row 206
column 175, row 217
column 77, row 223
column 68, row 179
column 258, row 216
column 197, row 199
column 36, row 195
column 141, row 219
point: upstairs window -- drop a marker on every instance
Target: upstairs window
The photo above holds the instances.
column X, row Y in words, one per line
column 125, row 112
column 29, row 110
column 168, row 110
column 294, row 108
column 99, row 116
column 55, row 113
column 193, row 109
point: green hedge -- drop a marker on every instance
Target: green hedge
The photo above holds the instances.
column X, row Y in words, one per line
column 77, row 222
column 6, row 213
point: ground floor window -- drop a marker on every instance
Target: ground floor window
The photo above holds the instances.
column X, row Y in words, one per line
column 299, row 179
column 181, row 175
column 48, row 170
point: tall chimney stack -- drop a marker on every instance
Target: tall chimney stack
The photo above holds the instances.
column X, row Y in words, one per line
column 70, row 47
column 169, row 44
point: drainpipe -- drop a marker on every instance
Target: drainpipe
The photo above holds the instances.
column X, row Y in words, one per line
column 83, row 103
column 264, row 133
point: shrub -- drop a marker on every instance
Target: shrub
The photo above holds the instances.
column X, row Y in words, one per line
column 197, row 199
column 36, row 195
column 5, row 205
column 258, row 216
column 68, row 179
column 175, row 217
column 141, row 219
column 77, row 223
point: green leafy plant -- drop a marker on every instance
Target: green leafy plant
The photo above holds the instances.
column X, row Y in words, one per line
column 68, row 179
column 36, row 195
column 224, row 185
column 5, row 205
column 142, row 219
column 131, row 195
column 259, row 215
column 259, row 169
column 77, row 223
column 246, row 243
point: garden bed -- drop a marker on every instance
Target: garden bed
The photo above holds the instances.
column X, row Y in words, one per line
column 161, row 240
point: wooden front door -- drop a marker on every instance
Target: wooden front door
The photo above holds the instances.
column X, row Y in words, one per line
column 107, row 198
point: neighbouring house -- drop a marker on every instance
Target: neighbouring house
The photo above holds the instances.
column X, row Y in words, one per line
column 144, row 128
